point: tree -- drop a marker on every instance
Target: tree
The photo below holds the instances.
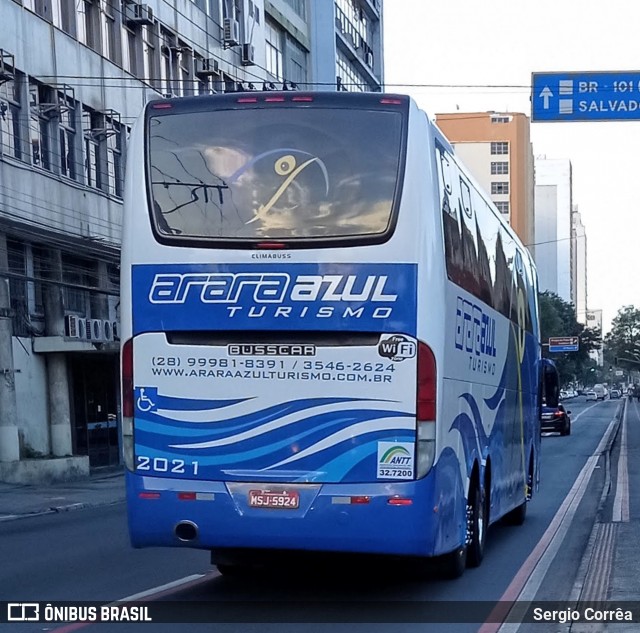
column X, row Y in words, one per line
column 623, row 340
column 558, row 318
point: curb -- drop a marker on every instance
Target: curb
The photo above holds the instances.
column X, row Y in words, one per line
column 58, row 510
column 585, row 566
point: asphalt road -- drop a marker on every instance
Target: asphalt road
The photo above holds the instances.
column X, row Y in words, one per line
column 85, row 555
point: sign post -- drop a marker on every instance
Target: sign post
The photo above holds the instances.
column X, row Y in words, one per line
column 563, row 343
column 590, row 96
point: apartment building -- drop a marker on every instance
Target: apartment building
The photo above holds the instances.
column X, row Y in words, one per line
column 497, row 149
column 74, row 75
column 579, row 264
column 553, row 227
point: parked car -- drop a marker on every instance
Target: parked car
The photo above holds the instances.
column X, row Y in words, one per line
column 556, row 419
column 591, row 395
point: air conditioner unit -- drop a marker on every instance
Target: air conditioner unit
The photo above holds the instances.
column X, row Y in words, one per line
column 248, row 54
column 206, row 67
column 82, row 328
column 107, row 330
column 71, row 328
column 231, row 32
column 94, row 330
column 138, row 14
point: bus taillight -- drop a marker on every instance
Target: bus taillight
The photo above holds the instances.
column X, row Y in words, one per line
column 425, row 410
column 426, row 392
column 127, row 403
column 127, row 379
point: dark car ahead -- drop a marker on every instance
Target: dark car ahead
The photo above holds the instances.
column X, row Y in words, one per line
column 556, row 419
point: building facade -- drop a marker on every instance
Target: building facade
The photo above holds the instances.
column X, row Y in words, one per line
column 594, row 321
column 553, row 229
column 497, row 149
column 579, row 264
column 73, row 78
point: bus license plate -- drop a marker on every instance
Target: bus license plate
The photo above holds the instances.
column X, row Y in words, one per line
column 274, row 500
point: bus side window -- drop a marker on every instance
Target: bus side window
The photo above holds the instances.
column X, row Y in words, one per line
column 484, row 269
column 450, row 221
column 502, row 281
column 471, row 282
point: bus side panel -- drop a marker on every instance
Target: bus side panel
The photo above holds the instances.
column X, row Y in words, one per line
column 489, row 398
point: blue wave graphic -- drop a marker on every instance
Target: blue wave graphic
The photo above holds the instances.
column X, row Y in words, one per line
column 310, row 426
column 190, row 404
column 326, row 461
column 260, row 416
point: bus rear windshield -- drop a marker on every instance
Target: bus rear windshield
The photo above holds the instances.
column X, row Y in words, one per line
column 284, row 174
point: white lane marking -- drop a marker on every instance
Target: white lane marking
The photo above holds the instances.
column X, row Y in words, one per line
column 584, row 411
column 621, row 499
column 529, row 578
column 170, row 585
column 144, row 596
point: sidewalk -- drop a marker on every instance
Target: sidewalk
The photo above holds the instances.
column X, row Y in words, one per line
column 101, row 488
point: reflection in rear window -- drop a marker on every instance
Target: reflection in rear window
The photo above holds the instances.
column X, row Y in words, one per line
column 274, row 173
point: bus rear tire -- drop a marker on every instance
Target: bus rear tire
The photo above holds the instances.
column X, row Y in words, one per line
column 477, row 516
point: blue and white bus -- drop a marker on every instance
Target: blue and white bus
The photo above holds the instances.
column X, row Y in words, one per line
column 330, row 336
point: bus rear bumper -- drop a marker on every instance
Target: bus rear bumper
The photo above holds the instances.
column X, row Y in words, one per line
column 394, row 518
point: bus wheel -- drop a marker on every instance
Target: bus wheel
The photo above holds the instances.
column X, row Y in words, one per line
column 453, row 564
column 476, row 525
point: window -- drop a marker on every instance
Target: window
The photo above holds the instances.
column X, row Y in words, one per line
column 274, row 61
column 349, row 78
column 114, row 157
column 149, row 57
column 500, row 168
column 168, row 62
column 64, row 15
column 80, row 272
column 18, row 288
column 110, row 35
column 499, row 147
column 295, row 61
column 500, row 119
column 185, row 83
column 201, row 82
column 41, row 107
column 299, row 6
column 10, row 136
column 499, row 188
column 89, row 24
column 92, row 123
column 353, row 22
column 67, row 129
column 222, row 187
column 503, row 207
column 41, row 271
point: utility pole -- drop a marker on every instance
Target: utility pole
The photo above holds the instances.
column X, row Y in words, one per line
column 9, row 437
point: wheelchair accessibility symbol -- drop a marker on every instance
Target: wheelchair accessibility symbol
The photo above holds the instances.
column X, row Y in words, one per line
column 145, row 399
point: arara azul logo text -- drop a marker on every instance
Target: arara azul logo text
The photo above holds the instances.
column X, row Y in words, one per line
column 325, row 296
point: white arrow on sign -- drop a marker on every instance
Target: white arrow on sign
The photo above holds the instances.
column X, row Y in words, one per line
column 546, row 94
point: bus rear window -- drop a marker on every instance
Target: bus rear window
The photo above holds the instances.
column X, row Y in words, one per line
column 286, row 174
